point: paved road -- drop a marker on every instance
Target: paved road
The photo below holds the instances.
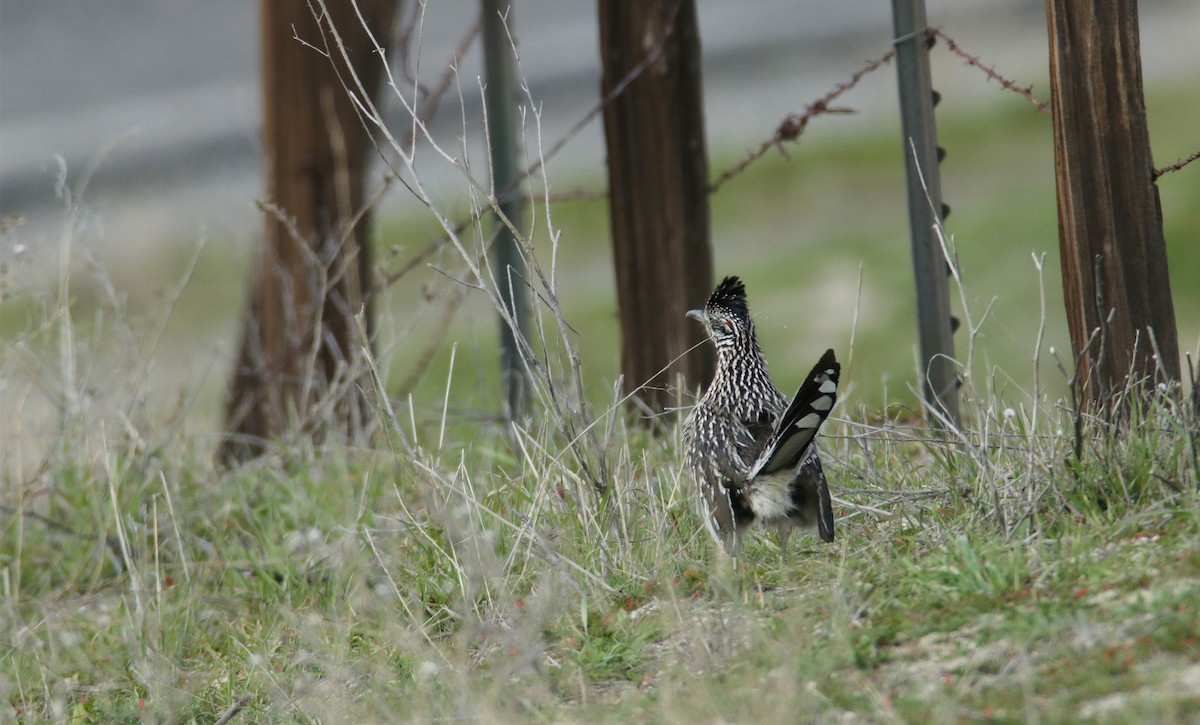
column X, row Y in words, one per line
column 172, row 87
column 162, row 97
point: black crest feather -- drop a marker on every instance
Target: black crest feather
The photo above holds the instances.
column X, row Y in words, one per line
column 730, row 295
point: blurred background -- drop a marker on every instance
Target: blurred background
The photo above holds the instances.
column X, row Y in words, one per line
column 130, row 167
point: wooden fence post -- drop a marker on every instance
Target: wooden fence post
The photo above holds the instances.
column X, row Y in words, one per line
column 301, row 344
column 1114, row 258
column 658, row 193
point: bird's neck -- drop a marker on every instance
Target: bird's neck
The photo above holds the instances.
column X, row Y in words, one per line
column 741, row 361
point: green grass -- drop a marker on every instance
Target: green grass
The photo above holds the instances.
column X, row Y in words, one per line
column 364, row 585
column 461, row 570
column 478, row 576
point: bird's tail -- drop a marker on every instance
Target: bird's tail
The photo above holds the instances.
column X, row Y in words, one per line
column 798, row 427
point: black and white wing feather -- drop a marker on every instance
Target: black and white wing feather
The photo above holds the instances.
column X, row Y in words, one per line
column 789, row 444
column 790, row 455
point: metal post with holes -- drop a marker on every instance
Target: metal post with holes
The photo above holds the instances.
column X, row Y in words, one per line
column 925, row 211
column 501, row 105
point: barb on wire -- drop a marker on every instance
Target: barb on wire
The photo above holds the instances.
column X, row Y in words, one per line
column 794, row 124
column 1178, row 164
column 990, row 72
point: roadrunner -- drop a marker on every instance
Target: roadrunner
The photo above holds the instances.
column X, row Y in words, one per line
column 751, row 452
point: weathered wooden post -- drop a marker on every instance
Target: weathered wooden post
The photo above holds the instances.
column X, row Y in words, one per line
column 658, row 192
column 300, row 362
column 1114, row 256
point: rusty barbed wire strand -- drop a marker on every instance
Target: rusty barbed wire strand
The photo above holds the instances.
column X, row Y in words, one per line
column 1184, row 161
column 654, row 53
column 794, row 124
column 989, row 71
column 426, row 112
column 634, row 73
column 573, row 195
column 789, row 129
column 1027, row 92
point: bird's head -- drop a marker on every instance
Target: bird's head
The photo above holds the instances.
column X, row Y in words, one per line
column 726, row 317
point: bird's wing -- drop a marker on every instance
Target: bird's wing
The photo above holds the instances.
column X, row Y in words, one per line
column 798, row 426
column 753, row 438
column 719, row 475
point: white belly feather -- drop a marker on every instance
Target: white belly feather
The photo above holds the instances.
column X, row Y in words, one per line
column 769, row 496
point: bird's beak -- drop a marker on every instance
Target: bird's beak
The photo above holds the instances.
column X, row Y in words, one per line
column 697, row 315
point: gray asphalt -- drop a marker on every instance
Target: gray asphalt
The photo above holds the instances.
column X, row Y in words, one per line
column 167, row 92
column 158, row 99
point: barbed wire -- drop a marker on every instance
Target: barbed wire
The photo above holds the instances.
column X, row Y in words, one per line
column 389, row 279
column 789, row 130
column 794, row 123
column 1027, row 92
column 989, row 71
column 1182, row 162
column 573, row 195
